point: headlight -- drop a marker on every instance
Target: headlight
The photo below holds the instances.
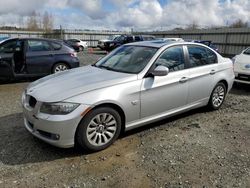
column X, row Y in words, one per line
column 60, row 108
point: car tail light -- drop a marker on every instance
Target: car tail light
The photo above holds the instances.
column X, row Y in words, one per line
column 74, row 54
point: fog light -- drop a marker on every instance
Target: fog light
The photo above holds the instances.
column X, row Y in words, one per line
column 55, row 136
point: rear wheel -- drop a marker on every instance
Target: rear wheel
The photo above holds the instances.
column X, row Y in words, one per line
column 81, row 48
column 99, row 129
column 218, row 96
column 59, row 67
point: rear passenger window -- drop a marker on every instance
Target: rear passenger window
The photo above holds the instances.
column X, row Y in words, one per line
column 199, row 56
column 56, row 46
column 137, row 38
column 172, row 58
column 38, row 45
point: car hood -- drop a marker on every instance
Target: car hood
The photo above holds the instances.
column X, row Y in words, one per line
column 243, row 59
column 104, row 40
column 60, row 86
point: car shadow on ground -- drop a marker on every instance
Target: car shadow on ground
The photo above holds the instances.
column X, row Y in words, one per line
column 16, row 81
column 240, row 89
column 19, row 147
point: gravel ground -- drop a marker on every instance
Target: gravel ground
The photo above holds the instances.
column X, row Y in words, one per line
column 195, row 149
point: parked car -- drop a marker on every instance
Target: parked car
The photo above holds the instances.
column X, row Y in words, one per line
column 3, row 38
column 124, row 39
column 136, row 84
column 76, row 44
column 170, row 39
column 27, row 57
column 206, row 42
column 242, row 67
column 110, row 38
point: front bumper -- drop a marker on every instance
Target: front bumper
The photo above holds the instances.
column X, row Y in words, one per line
column 242, row 77
column 57, row 130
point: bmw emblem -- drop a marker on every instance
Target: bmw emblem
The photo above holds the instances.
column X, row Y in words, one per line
column 247, row 66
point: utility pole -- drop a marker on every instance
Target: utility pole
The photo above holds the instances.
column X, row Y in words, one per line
column 61, row 32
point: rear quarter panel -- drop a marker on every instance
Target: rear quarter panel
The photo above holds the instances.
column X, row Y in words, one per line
column 225, row 71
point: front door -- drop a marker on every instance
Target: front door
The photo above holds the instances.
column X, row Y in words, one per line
column 7, row 49
column 160, row 95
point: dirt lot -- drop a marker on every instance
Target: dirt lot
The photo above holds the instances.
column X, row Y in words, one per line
column 195, row 149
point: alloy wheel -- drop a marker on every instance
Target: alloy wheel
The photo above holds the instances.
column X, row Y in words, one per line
column 60, row 68
column 101, row 129
column 218, row 96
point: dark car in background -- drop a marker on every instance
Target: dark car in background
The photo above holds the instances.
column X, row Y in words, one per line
column 208, row 43
column 124, row 39
column 103, row 41
column 28, row 57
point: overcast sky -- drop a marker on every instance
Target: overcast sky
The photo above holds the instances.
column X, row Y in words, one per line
column 126, row 14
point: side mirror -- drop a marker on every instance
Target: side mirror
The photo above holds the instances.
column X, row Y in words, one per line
column 160, row 71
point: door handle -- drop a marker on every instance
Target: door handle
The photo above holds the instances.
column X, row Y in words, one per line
column 212, row 72
column 183, row 80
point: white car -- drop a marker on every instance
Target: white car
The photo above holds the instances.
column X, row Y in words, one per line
column 171, row 39
column 242, row 67
column 135, row 84
column 77, row 43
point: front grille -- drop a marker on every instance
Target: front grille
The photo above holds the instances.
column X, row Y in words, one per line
column 32, row 101
column 243, row 77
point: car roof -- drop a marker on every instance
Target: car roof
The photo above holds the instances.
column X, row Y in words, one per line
column 159, row 43
column 29, row 38
column 152, row 43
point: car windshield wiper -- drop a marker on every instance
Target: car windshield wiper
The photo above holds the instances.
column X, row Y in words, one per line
column 112, row 69
column 105, row 67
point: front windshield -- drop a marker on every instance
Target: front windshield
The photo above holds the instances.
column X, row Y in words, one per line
column 127, row 59
column 112, row 37
column 247, row 51
column 119, row 39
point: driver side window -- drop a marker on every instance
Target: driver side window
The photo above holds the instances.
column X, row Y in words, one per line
column 172, row 58
column 8, row 47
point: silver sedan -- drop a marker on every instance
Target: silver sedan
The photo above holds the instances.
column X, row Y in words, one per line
column 134, row 85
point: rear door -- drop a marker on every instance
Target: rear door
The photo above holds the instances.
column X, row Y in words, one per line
column 39, row 56
column 166, row 93
column 203, row 70
column 7, row 50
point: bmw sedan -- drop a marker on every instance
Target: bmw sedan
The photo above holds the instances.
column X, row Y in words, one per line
column 28, row 57
column 242, row 67
column 134, row 85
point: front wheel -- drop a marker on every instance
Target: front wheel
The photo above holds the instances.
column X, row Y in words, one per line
column 99, row 129
column 217, row 97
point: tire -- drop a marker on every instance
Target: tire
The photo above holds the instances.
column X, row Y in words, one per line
column 59, row 67
column 81, row 48
column 217, row 96
column 98, row 129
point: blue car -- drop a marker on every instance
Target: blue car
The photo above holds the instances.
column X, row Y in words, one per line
column 3, row 38
column 28, row 57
